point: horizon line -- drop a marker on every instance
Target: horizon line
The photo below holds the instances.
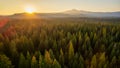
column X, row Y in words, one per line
column 57, row 12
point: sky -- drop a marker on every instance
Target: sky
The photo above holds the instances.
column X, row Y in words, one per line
column 8, row 7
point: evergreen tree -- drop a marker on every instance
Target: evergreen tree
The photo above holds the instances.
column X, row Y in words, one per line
column 28, row 60
column 1, row 47
column 94, row 39
column 41, row 62
column 71, row 51
column 51, row 54
column 113, row 62
column 13, row 51
column 75, row 63
column 56, row 64
column 34, row 63
column 104, row 32
column 22, row 61
column 47, row 57
column 102, row 60
column 5, row 62
column 1, row 37
column 81, row 62
column 61, row 57
column 94, row 62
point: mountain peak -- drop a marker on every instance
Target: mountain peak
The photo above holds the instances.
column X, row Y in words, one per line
column 75, row 11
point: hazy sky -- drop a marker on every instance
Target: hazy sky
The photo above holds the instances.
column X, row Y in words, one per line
column 18, row 6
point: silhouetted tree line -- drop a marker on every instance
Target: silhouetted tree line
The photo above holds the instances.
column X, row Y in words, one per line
column 56, row 44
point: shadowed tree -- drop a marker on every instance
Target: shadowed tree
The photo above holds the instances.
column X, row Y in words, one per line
column 56, row 64
column 22, row 61
column 81, row 62
column 28, row 60
column 5, row 62
column 61, row 57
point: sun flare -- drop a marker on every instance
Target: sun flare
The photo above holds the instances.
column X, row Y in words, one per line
column 29, row 9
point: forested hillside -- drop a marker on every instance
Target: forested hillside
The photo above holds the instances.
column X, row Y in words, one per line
column 59, row 43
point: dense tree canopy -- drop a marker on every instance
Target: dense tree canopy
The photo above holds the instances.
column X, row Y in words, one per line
column 60, row 43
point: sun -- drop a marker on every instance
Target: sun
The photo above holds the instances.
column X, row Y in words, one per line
column 29, row 9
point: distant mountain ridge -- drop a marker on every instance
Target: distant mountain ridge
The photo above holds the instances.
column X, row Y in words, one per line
column 68, row 13
column 92, row 14
column 75, row 11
